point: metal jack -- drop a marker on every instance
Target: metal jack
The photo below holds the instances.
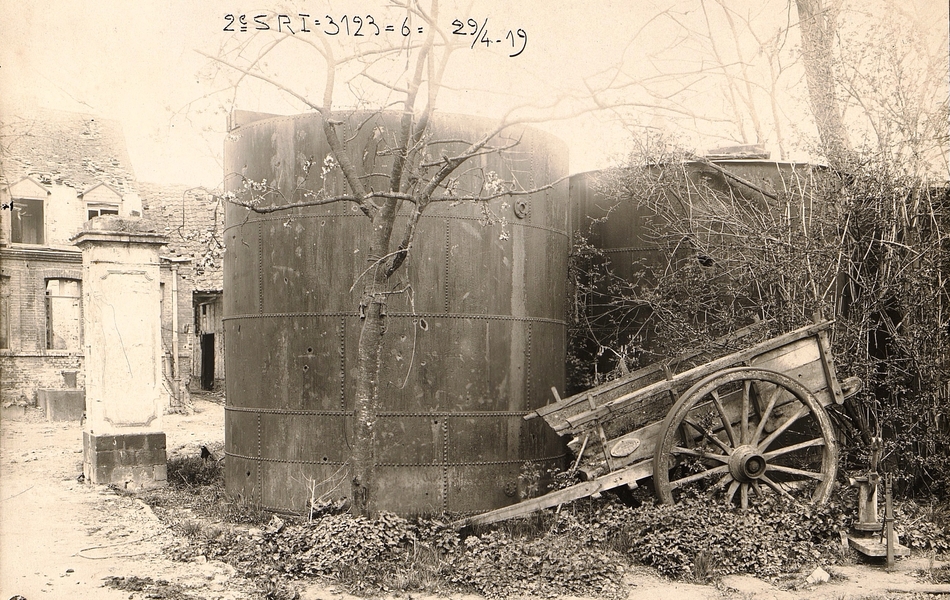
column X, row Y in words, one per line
column 868, row 535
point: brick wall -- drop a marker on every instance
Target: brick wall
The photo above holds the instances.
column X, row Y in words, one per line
column 27, row 364
column 22, row 375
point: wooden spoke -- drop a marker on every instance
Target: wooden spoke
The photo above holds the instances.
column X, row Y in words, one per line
column 740, row 466
column 778, row 489
column 804, row 410
column 794, row 471
column 726, row 480
column 700, row 454
column 708, row 435
column 701, row 475
column 726, row 421
column 746, row 386
column 793, row 448
column 773, row 398
column 732, row 491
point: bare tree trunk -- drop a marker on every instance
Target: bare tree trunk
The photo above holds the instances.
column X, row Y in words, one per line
column 818, row 23
column 369, row 364
column 363, row 457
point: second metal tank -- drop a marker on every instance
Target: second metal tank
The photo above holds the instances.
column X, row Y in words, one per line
column 632, row 243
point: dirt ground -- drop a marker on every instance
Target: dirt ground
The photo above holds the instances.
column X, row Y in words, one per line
column 60, row 538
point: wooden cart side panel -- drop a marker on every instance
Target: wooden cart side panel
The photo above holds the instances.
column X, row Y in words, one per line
column 834, row 386
column 647, row 375
column 647, row 436
column 683, row 380
column 802, row 361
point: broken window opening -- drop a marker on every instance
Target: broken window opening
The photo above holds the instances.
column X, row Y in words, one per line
column 63, row 314
column 97, row 210
column 4, row 312
column 28, row 223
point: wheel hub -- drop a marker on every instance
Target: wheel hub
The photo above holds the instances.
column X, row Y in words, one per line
column 746, row 464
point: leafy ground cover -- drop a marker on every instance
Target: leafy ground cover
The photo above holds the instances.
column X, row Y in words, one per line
column 584, row 549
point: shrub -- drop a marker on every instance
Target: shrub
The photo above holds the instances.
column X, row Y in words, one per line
column 193, row 471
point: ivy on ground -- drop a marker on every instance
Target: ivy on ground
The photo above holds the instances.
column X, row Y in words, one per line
column 583, row 549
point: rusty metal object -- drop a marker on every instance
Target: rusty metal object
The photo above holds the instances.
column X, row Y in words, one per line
column 477, row 347
column 635, row 243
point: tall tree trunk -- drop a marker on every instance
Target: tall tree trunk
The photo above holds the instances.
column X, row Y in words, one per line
column 369, row 364
column 818, row 23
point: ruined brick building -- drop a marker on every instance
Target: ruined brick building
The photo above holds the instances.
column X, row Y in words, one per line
column 57, row 170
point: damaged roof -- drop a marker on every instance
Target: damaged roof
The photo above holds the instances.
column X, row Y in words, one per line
column 72, row 149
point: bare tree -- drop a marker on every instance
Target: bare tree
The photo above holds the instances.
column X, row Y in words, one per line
column 407, row 78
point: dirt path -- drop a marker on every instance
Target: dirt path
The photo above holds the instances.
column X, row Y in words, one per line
column 60, row 538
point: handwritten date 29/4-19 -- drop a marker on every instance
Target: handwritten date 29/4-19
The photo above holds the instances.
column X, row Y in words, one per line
column 479, row 33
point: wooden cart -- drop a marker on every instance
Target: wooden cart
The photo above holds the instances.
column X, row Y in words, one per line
column 737, row 422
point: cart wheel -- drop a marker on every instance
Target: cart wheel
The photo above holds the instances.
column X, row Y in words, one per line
column 745, row 433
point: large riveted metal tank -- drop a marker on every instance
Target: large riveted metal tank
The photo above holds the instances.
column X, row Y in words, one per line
column 633, row 243
column 476, row 330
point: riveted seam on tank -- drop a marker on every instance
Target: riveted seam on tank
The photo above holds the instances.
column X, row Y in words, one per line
column 631, row 249
column 289, row 411
column 475, row 463
column 527, row 359
column 284, row 315
column 281, row 510
column 487, row 413
column 445, row 465
column 267, row 459
column 260, row 268
column 446, row 218
column 527, row 212
column 343, row 363
column 260, row 462
column 406, row 315
column 448, row 253
column 269, row 121
column 389, row 415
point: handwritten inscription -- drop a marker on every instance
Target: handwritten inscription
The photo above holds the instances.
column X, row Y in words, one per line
column 480, row 35
column 368, row 26
column 351, row 25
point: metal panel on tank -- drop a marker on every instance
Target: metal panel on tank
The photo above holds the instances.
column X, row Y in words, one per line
column 477, row 344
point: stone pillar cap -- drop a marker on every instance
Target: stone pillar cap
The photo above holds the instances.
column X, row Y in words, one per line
column 113, row 228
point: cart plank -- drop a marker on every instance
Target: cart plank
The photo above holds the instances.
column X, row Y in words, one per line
column 650, row 373
column 679, row 381
column 628, row 476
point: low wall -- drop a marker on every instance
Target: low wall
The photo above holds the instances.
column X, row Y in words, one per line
column 22, row 374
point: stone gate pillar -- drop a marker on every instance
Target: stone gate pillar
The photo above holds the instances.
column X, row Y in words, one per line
column 123, row 440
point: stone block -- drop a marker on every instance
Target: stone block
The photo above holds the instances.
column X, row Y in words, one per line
column 131, row 461
column 62, row 405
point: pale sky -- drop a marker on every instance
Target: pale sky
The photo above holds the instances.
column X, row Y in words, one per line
column 137, row 62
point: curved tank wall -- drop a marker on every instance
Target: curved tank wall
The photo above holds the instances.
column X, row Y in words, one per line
column 477, row 344
column 634, row 243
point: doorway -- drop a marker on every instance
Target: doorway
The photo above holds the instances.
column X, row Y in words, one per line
column 207, row 361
